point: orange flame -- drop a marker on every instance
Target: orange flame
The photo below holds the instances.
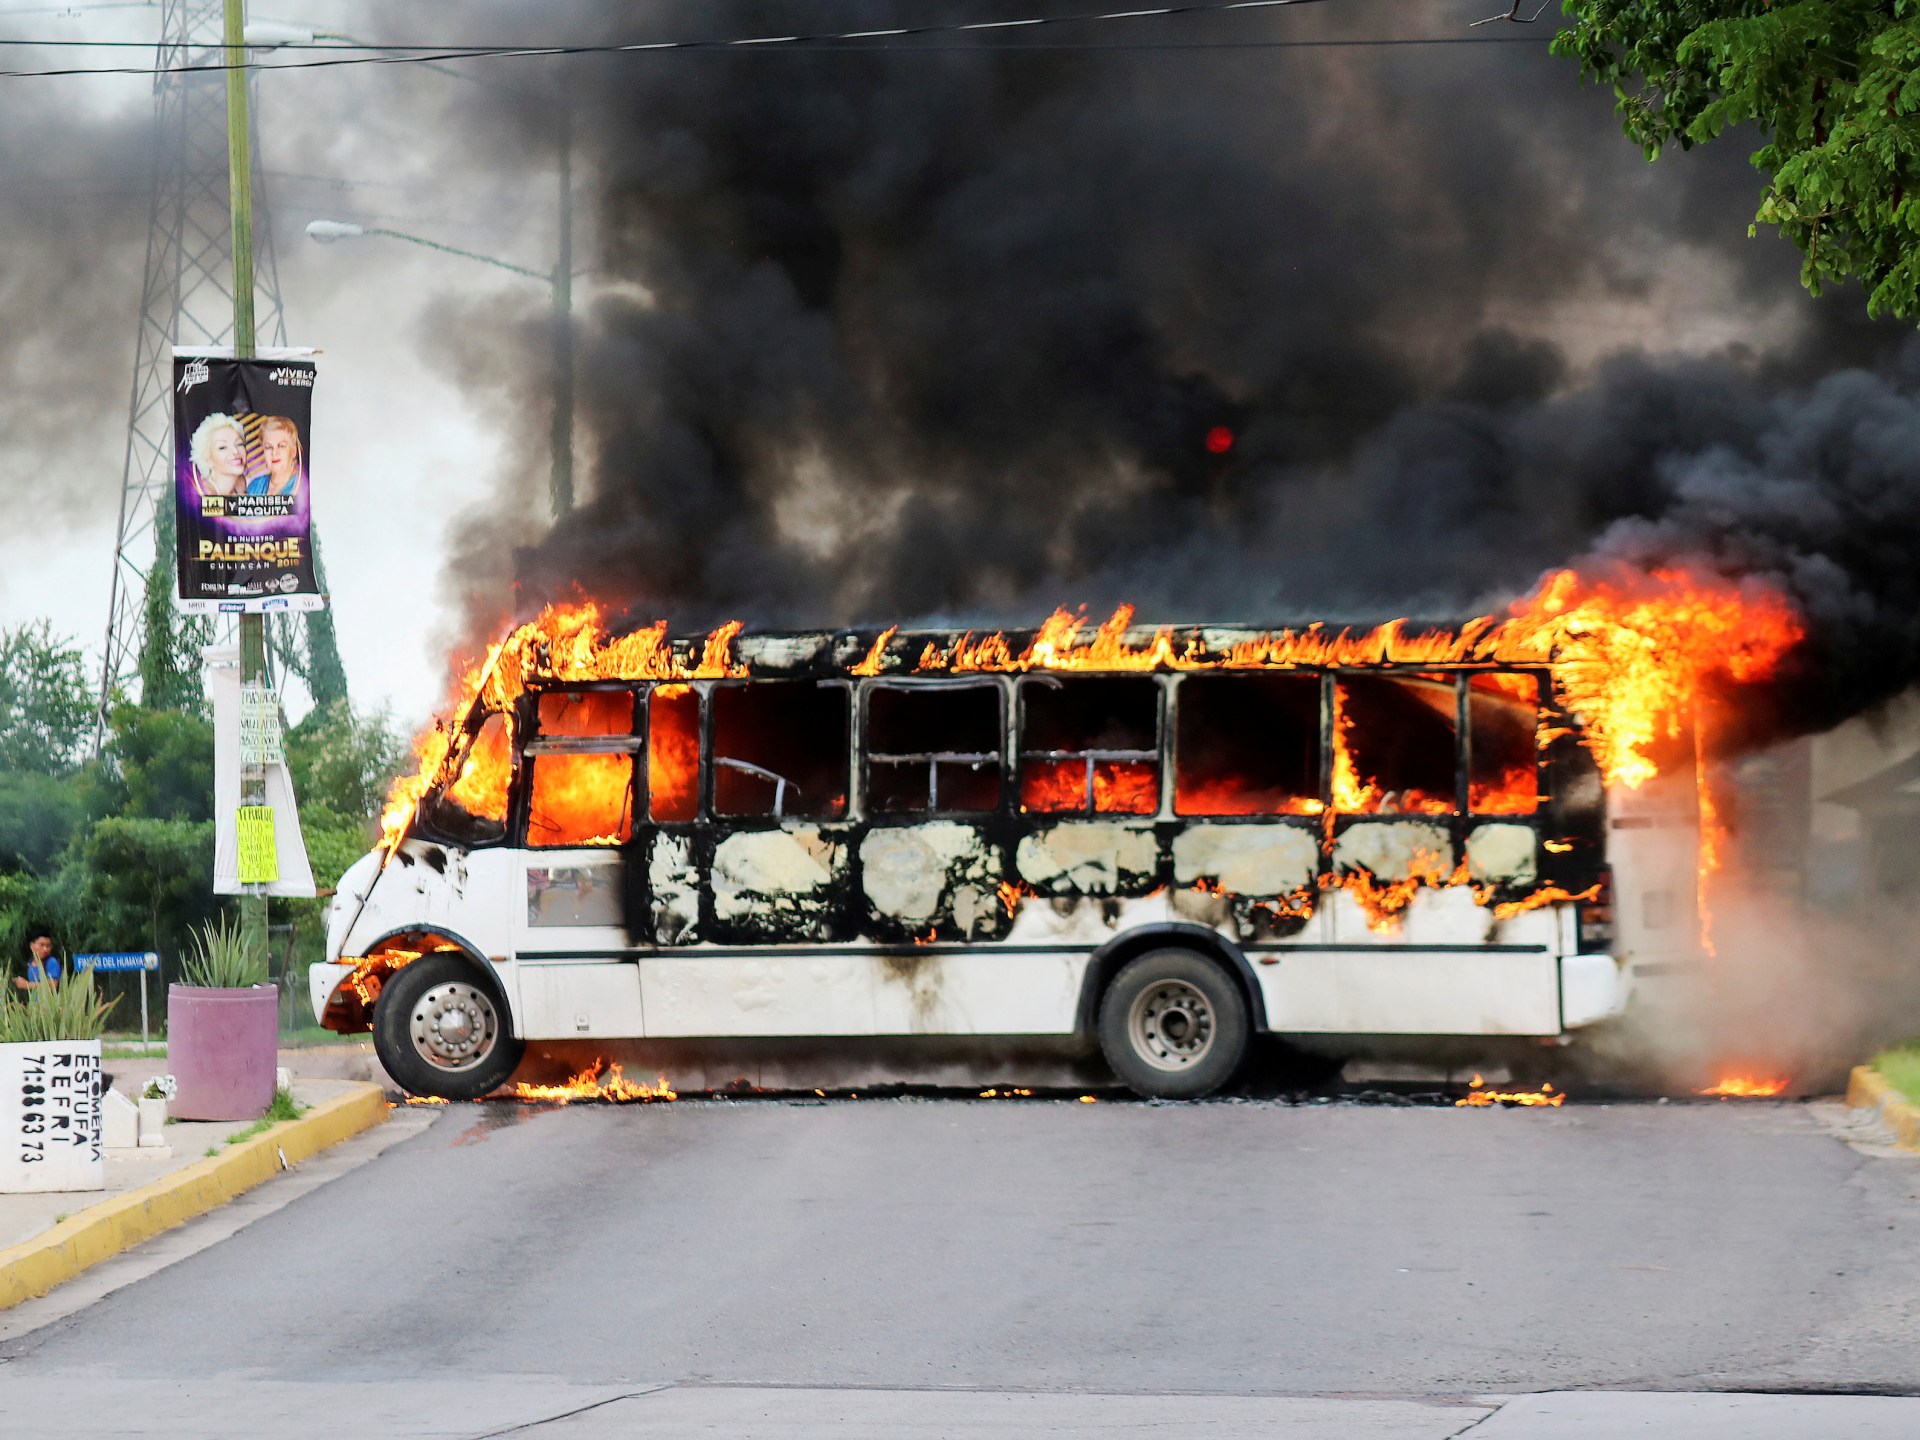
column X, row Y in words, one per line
column 1477, row 1094
column 1746, row 1087
column 1120, row 787
column 588, row 1085
column 1545, row 895
column 1010, row 892
column 1385, row 902
column 565, row 643
column 1631, row 655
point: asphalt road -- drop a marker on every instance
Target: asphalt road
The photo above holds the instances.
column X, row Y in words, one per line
column 1209, row 1253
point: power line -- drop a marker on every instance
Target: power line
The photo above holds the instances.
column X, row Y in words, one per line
column 862, row 40
column 824, row 48
column 78, row 9
column 408, row 52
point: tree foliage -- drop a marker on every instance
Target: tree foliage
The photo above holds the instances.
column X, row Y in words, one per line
column 46, row 708
column 115, row 851
column 1832, row 86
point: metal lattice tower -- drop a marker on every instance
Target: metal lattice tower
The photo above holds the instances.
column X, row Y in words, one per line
column 186, row 298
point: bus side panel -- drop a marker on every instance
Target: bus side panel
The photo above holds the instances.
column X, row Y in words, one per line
column 797, row 993
column 559, row 1000
column 780, row 992
column 1412, row 992
column 982, row 993
column 1653, row 845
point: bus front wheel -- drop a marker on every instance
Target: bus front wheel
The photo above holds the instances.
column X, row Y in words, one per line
column 1173, row 1025
column 440, row 1028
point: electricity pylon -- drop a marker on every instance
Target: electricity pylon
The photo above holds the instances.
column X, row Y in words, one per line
column 186, row 298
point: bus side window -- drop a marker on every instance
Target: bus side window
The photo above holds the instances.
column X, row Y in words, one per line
column 580, row 799
column 780, row 749
column 1090, row 746
column 473, row 809
column 586, row 712
column 1247, row 744
column 673, row 753
column 1394, row 744
column 933, row 748
column 1503, row 767
column 481, row 787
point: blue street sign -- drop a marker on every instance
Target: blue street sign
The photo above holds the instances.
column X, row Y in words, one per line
column 115, row 960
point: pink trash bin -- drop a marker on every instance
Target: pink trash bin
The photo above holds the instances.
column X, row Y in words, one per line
column 222, row 1047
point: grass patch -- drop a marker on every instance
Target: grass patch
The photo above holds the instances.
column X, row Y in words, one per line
column 1901, row 1066
column 115, row 1050
column 284, row 1107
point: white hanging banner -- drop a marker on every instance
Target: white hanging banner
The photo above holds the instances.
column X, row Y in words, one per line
column 275, row 850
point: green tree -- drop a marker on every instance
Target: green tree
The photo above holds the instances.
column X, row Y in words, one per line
column 1833, row 88
column 169, row 655
column 39, row 816
column 161, row 766
column 46, row 709
column 343, row 761
column 136, row 882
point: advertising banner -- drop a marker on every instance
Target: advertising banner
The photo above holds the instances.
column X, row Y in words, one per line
column 242, row 445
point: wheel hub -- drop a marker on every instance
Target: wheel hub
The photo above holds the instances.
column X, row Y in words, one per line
column 454, row 1026
column 1171, row 1025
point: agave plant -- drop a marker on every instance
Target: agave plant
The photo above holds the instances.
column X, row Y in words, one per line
column 221, row 959
column 66, row 1011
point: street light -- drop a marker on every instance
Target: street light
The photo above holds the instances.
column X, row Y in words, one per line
column 268, row 35
column 326, row 232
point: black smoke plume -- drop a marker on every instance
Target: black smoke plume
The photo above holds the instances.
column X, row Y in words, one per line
column 886, row 336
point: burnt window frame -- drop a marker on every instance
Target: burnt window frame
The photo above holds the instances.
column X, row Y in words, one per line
column 643, row 707
column 1157, row 756
column 487, row 834
column 1544, row 704
column 1331, row 715
column 526, row 722
column 710, row 757
column 1323, row 746
column 1002, row 757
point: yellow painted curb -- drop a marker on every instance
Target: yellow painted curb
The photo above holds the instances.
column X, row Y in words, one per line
column 101, row 1231
column 1867, row 1089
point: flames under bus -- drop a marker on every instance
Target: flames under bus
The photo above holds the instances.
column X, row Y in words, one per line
column 1163, row 862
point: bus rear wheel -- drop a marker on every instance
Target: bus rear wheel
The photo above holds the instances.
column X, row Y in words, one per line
column 1173, row 1025
column 441, row 1029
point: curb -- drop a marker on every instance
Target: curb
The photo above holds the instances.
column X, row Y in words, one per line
column 102, row 1231
column 1867, row 1089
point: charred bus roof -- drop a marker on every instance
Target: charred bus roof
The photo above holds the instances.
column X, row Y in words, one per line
column 936, row 653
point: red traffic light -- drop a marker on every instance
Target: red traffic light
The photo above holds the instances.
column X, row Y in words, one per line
column 1219, row 440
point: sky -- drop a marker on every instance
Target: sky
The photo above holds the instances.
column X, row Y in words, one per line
column 1386, row 212
column 399, row 450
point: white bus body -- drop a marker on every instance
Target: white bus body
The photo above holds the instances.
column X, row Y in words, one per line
column 1002, row 922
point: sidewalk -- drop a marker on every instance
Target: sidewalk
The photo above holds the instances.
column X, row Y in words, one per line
column 104, row 1403
column 24, row 1216
column 351, row 1061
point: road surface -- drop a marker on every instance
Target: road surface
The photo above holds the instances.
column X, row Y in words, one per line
column 1227, row 1263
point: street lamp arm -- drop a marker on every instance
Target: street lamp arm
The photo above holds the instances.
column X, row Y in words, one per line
column 541, row 275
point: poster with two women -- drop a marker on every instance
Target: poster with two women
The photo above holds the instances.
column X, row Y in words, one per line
column 242, row 432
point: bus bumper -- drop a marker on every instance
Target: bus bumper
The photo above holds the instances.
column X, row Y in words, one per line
column 1592, row 988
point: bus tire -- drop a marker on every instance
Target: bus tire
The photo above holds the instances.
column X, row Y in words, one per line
column 1173, row 1025
column 440, row 1028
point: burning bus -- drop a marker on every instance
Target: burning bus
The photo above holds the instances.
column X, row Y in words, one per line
column 1158, row 839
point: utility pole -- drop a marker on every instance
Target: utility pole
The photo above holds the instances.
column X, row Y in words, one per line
column 253, row 627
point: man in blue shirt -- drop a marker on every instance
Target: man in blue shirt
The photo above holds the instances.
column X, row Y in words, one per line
column 43, row 966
